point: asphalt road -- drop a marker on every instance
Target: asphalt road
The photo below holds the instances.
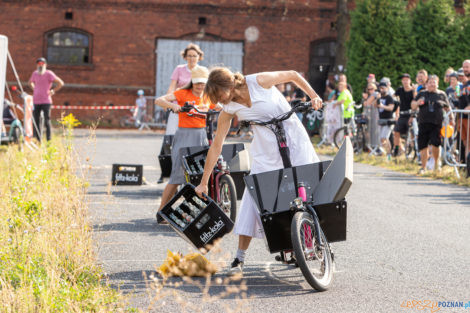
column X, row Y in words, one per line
column 408, row 239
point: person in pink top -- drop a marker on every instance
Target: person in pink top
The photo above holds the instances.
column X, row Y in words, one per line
column 181, row 77
column 41, row 82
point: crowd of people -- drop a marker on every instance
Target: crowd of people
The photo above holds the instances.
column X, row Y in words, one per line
column 390, row 112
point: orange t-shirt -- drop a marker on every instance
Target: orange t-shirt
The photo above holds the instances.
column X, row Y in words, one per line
column 186, row 121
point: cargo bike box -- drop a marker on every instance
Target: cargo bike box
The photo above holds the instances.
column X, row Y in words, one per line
column 272, row 193
column 198, row 221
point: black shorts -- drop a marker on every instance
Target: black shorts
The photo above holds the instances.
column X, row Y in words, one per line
column 402, row 125
column 429, row 134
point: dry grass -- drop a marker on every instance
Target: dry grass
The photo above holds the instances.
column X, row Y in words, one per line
column 47, row 263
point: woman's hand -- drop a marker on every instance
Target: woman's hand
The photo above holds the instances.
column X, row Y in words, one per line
column 317, row 103
column 200, row 189
column 175, row 108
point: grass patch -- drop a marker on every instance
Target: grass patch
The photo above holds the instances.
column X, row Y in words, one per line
column 400, row 164
column 47, row 263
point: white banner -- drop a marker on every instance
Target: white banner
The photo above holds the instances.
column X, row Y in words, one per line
column 3, row 71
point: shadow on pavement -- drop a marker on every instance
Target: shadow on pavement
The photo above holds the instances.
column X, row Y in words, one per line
column 146, row 225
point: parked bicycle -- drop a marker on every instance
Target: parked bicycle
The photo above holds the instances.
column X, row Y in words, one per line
column 411, row 137
column 355, row 130
column 294, row 230
column 222, row 187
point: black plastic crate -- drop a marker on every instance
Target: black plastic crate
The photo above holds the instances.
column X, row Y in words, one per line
column 206, row 226
column 273, row 192
column 127, row 174
column 164, row 158
column 194, row 160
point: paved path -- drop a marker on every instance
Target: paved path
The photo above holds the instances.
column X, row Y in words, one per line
column 408, row 239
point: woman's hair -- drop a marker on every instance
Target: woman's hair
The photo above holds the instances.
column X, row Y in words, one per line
column 187, row 86
column 193, row 46
column 220, row 79
column 372, row 85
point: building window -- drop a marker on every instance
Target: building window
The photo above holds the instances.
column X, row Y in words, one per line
column 68, row 47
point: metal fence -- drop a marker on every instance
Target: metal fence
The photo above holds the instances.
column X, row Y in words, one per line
column 456, row 139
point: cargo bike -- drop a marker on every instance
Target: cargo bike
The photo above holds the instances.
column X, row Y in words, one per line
column 302, row 208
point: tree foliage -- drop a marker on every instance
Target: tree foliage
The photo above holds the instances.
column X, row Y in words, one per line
column 387, row 39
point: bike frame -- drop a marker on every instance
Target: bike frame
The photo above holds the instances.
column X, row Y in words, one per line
column 276, row 126
column 217, row 172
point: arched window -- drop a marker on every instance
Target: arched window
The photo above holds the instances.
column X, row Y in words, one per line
column 68, row 47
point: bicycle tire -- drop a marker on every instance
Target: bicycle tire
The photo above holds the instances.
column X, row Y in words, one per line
column 359, row 141
column 228, row 196
column 339, row 135
column 302, row 223
column 410, row 148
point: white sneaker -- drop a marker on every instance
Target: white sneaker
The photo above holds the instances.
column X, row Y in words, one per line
column 236, row 268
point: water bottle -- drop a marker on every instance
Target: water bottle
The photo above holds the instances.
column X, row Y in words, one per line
column 192, row 208
column 221, row 163
column 193, row 169
column 200, row 166
column 199, row 202
column 185, row 215
column 457, row 90
column 177, row 220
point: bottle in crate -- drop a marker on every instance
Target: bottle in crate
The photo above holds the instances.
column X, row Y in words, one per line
column 192, row 208
column 199, row 202
column 193, row 169
column 184, row 215
column 200, row 166
column 177, row 220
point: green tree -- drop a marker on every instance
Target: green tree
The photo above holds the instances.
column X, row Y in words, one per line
column 438, row 31
column 379, row 43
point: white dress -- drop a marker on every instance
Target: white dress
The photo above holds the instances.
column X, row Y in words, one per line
column 266, row 104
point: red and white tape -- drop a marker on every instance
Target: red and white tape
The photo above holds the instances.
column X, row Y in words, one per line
column 92, row 107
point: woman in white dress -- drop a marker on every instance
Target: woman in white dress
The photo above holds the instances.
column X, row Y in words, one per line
column 255, row 97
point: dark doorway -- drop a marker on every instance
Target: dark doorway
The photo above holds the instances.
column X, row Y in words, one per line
column 322, row 60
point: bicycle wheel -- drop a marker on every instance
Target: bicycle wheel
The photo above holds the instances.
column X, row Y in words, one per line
column 228, row 196
column 339, row 136
column 359, row 141
column 410, row 149
column 315, row 261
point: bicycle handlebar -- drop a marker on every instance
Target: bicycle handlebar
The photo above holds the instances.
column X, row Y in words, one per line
column 298, row 107
column 188, row 106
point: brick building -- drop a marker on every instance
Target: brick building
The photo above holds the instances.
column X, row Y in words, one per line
column 105, row 50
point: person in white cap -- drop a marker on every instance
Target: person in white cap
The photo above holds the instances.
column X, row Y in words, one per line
column 140, row 107
column 191, row 130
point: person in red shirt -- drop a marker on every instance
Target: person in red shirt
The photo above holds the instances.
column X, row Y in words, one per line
column 191, row 130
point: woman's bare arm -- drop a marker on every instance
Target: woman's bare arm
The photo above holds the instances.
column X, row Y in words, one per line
column 223, row 125
column 172, row 87
column 269, row 79
column 166, row 102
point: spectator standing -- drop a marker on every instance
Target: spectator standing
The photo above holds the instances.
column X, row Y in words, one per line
column 449, row 71
column 431, row 103
column 346, row 100
column 462, row 78
column 41, row 82
column 140, row 107
column 454, row 90
column 385, row 105
column 387, row 81
column 405, row 94
column 464, row 104
column 370, row 80
column 421, row 79
column 370, row 110
column 333, row 114
column 342, row 78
